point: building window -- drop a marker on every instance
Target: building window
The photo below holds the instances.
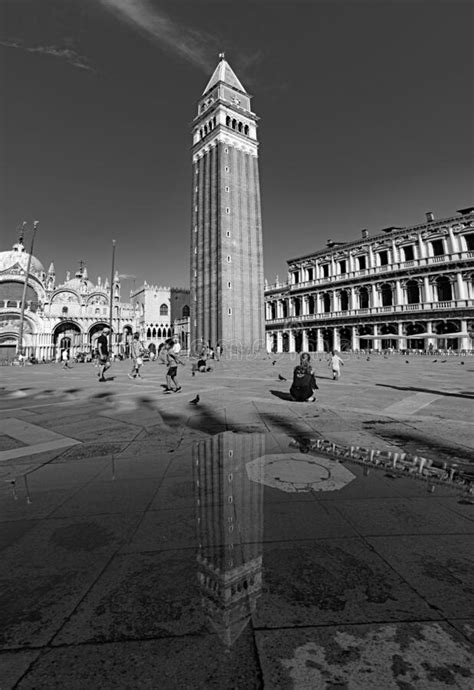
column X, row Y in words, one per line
column 409, row 253
column 229, row 311
column 64, row 311
column 185, row 311
column 227, row 234
column 438, row 248
column 469, row 241
column 310, row 274
column 342, row 267
column 444, row 289
column 227, row 189
column 226, row 150
column 229, row 259
column 344, row 300
column 383, row 258
column 387, row 295
column 227, row 210
column 362, row 263
column 325, row 268
column 229, row 284
column 326, row 303
column 164, row 310
column 363, row 298
column 195, row 250
column 413, row 292
column 226, row 168
column 295, row 277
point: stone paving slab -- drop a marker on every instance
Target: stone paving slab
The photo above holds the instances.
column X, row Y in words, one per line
column 47, row 571
column 176, row 664
column 389, row 655
column 338, row 581
column 438, row 567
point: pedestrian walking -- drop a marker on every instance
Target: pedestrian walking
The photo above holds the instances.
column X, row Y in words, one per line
column 335, row 364
column 136, row 350
column 65, row 358
column 173, row 348
column 103, row 349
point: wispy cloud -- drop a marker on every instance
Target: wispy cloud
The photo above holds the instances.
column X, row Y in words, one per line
column 67, row 54
column 195, row 46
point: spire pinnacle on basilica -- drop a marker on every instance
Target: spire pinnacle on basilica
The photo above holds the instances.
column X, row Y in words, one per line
column 224, row 73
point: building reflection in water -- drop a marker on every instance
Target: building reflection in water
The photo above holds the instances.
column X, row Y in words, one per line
column 229, row 520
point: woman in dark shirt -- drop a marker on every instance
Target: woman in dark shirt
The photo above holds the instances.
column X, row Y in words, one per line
column 304, row 382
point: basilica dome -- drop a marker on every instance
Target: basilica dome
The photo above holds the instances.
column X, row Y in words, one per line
column 18, row 255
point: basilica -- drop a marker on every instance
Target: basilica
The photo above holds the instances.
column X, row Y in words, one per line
column 69, row 314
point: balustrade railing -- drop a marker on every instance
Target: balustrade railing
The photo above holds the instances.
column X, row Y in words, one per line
column 375, row 270
column 371, row 311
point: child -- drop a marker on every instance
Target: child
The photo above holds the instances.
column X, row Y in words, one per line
column 335, row 364
column 304, row 382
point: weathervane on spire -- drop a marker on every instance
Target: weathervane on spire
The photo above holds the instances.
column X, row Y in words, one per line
column 221, row 56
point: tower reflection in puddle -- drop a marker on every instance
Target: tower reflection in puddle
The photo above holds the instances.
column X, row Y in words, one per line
column 229, row 517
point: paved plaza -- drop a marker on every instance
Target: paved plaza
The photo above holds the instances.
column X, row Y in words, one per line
column 151, row 543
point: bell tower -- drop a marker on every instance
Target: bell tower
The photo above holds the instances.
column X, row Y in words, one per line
column 226, row 225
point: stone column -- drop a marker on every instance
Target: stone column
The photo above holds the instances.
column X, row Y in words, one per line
column 370, row 257
column 398, row 293
column 291, row 341
column 336, row 339
column 377, row 342
column 374, row 300
column 319, row 340
column 395, row 253
column 350, row 262
column 453, row 241
column 304, row 340
column 421, row 248
column 465, row 342
column 460, row 287
column 402, row 341
column 352, row 304
column 279, row 341
column 427, row 294
column 269, row 340
column 354, row 339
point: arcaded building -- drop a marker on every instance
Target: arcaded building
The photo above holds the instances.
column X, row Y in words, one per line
column 69, row 314
column 226, row 228
column 401, row 289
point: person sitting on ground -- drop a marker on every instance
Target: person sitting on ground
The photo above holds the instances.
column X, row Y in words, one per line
column 304, row 382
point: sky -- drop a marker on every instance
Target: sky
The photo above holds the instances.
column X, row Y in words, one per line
column 366, row 111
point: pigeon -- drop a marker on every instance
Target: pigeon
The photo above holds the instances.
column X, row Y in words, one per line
column 443, row 361
column 462, row 364
column 274, row 362
column 368, row 359
column 281, row 378
column 195, row 401
column 435, row 360
column 407, row 361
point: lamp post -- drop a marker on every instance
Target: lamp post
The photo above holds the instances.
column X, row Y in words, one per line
column 19, row 349
column 112, row 296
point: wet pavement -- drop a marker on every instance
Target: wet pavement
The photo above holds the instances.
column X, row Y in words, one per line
column 147, row 542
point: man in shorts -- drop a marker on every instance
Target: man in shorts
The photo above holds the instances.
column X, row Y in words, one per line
column 103, row 349
column 173, row 348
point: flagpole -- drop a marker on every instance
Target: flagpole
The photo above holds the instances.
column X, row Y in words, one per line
column 112, row 296
column 25, row 286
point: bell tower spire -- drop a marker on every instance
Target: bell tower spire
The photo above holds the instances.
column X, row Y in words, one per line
column 226, row 225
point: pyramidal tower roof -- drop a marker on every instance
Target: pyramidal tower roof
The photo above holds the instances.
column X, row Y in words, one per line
column 225, row 73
